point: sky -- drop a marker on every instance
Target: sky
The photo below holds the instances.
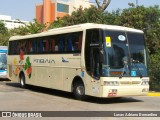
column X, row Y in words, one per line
column 25, row 9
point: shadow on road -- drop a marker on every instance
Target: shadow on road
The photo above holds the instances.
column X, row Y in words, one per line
column 4, row 79
column 71, row 96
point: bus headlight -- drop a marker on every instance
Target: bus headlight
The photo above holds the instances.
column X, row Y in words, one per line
column 111, row 83
column 145, row 83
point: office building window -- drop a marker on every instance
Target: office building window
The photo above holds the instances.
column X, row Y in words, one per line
column 62, row 8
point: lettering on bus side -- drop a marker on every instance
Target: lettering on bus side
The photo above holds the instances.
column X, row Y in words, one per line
column 43, row 61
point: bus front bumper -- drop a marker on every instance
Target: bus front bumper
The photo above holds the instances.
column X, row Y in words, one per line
column 120, row 91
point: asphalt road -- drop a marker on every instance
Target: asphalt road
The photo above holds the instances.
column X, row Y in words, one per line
column 14, row 98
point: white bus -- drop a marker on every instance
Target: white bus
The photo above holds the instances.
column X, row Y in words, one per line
column 3, row 61
column 87, row 59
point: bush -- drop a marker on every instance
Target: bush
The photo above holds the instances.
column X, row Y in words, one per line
column 154, row 69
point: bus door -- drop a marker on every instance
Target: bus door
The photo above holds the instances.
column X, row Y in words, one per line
column 95, row 63
column 95, row 66
column 92, row 58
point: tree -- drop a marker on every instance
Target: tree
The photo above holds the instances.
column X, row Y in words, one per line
column 4, row 36
column 35, row 27
column 104, row 4
column 80, row 16
column 146, row 19
column 30, row 28
column 3, row 29
column 154, row 69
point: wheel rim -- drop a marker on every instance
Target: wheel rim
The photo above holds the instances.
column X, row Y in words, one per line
column 80, row 90
column 22, row 81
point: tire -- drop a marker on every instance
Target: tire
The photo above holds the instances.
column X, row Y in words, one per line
column 22, row 81
column 79, row 91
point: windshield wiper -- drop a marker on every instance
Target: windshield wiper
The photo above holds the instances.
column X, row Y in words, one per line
column 134, row 62
column 122, row 74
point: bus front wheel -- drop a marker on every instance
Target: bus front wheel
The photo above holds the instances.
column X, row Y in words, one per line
column 22, row 81
column 79, row 91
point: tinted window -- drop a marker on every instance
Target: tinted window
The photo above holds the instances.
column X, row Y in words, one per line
column 63, row 43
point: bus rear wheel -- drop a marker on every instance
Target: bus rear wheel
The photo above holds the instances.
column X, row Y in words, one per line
column 22, row 81
column 79, row 91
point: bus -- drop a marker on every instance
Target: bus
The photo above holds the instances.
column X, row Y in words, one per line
column 88, row 59
column 3, row 62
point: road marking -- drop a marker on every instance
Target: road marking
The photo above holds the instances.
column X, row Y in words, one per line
column 154, row 94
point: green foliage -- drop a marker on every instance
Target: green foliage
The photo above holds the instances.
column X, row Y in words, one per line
column 31, row 28
column 146, row 19
column 4, row 39
column 19, row 31
column 4, row 35
column 154, row 69
column 3, row 29
column 112, row 18
column 35, row 27
column 78, row 17
column 87, row 15
column 56, row 24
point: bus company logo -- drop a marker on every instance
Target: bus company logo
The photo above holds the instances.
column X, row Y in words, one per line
column 64, row 60
column 44, row 61
column 6, row 114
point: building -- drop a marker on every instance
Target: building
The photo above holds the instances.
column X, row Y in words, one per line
column 11, row 24
column 50, row 10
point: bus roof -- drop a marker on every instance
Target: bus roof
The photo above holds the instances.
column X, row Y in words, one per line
column 76, row 28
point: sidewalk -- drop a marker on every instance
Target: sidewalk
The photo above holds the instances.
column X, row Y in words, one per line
column 153, row 93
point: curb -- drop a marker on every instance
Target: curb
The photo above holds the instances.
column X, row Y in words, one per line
column 153, row 94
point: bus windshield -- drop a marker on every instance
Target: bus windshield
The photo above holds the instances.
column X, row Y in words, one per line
column 3, row 61
column 125, row 54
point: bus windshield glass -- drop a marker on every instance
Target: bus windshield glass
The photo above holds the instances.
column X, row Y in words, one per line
column 125, row 54
column 3, row 61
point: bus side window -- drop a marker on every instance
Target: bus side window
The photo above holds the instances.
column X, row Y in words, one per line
column 69, row 44
column 12, row 49
column 80, row 41
column 30, row 46
column 40, row 46
column 43, row 46
column 47, row 46
column 34, row 46
column 52, row 45
column 17, row 47
column 55, row 44
column 25, row 46
column 61, row 45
